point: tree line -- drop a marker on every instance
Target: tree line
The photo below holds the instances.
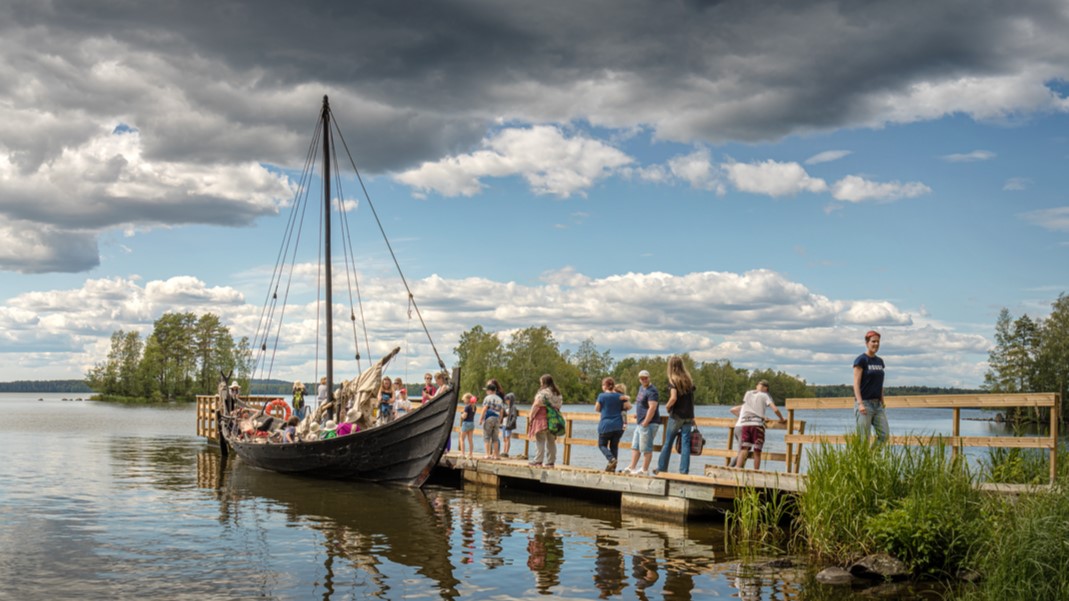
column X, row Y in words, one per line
column 45, row 386
column 181, row 358
column 1031, row 355
column 519, row 363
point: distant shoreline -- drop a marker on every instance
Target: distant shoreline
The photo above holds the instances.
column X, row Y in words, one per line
column 75, row 386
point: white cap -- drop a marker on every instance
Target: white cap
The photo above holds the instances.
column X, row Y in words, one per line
column 643, row 374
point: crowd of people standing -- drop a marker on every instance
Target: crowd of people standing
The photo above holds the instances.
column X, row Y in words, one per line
column 498, row 417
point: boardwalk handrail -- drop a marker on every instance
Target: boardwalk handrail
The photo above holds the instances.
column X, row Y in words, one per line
column 569, row 439
column 957, row 402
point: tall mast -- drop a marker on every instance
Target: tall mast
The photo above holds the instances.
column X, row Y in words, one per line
column 329, row 298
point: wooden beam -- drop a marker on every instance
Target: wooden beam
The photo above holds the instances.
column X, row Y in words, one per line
column 761, row 479
column 1008, row 442
column 947, row 401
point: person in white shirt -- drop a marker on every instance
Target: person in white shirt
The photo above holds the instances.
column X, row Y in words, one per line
column 752, row 423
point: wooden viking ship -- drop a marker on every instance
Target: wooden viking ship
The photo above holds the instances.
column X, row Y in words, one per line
column 402, row 451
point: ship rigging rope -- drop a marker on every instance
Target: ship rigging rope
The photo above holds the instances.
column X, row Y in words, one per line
column 290, row 239
column 393, row 256
column 351, row 276
column 272, row 312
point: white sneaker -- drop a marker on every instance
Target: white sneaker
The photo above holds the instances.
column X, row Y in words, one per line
column 627, row 471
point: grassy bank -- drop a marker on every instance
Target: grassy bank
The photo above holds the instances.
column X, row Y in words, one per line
column 921, row 506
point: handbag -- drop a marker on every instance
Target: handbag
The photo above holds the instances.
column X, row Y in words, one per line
column 697, row 442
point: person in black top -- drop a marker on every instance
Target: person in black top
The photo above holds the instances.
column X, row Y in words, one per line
column 680, row 408
column 868, row 390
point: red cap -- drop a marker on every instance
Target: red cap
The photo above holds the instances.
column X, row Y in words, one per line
column 870, row 334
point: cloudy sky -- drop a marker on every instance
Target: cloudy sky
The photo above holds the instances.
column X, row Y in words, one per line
column 754, row 181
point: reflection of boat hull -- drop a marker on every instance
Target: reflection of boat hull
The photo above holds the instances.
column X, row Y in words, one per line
column 365, row 525
column 403, row 451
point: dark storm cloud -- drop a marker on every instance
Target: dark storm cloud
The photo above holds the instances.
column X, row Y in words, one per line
column 231, row 83
column 715, row 71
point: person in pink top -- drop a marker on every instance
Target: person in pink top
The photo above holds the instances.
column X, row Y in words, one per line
column 538, row 423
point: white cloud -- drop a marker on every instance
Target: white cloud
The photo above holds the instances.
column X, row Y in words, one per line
column 969, row 157
column 54, row 210
column 853, row 188
column 983, row 97
column 1055, row 219
column 758, row 318
column 827, row 156
column 773, row 178
column 550, row 161
column 1016, row 184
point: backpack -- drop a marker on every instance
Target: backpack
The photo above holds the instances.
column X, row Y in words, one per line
column 556, row 421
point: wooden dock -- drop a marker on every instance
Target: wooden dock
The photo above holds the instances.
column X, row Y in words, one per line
column 677, row 497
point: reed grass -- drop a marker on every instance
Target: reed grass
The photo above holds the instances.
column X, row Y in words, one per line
column 915, row 503
column 759, row 521
column 1026, row 557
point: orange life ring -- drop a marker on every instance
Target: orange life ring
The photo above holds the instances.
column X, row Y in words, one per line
column 269, row 408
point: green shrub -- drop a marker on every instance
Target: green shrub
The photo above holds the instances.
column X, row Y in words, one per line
column 931, row 536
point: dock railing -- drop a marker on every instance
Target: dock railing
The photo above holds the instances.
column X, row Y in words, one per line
column 570, row 439
column 955, row 441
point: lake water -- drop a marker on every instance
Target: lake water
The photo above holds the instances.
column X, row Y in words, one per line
column 102, row 501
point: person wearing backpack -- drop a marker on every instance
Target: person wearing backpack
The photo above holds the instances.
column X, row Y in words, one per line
column 538, row 423
column 490, row 420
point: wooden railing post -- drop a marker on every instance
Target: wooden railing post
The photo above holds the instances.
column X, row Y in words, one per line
column 1055, row 415
column 957, row 434
column 790, row 446
column 567, row 441
column 798, row 451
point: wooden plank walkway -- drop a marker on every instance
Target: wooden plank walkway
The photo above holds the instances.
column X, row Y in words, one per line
column 677, row 497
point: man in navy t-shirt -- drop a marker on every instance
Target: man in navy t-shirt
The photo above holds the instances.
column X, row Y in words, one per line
column 648, row 418
column 868, row 390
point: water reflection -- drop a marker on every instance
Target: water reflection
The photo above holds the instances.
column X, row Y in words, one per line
column 457, row 540
column 362, row 527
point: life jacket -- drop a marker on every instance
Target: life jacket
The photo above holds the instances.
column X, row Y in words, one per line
column 298, row 399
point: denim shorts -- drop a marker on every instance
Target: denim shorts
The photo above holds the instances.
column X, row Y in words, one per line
column 643, row 438
column 467, row 426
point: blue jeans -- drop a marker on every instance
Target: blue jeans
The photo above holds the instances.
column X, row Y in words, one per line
column 875, row 417
column 609, row 444
column 676, row 427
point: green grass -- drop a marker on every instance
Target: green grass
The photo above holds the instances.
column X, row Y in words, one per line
column 915, row 503
column 1026, row 555
column 759, row 521
column 921, row 505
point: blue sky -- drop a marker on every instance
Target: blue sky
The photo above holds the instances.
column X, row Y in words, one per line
column 734, row 180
